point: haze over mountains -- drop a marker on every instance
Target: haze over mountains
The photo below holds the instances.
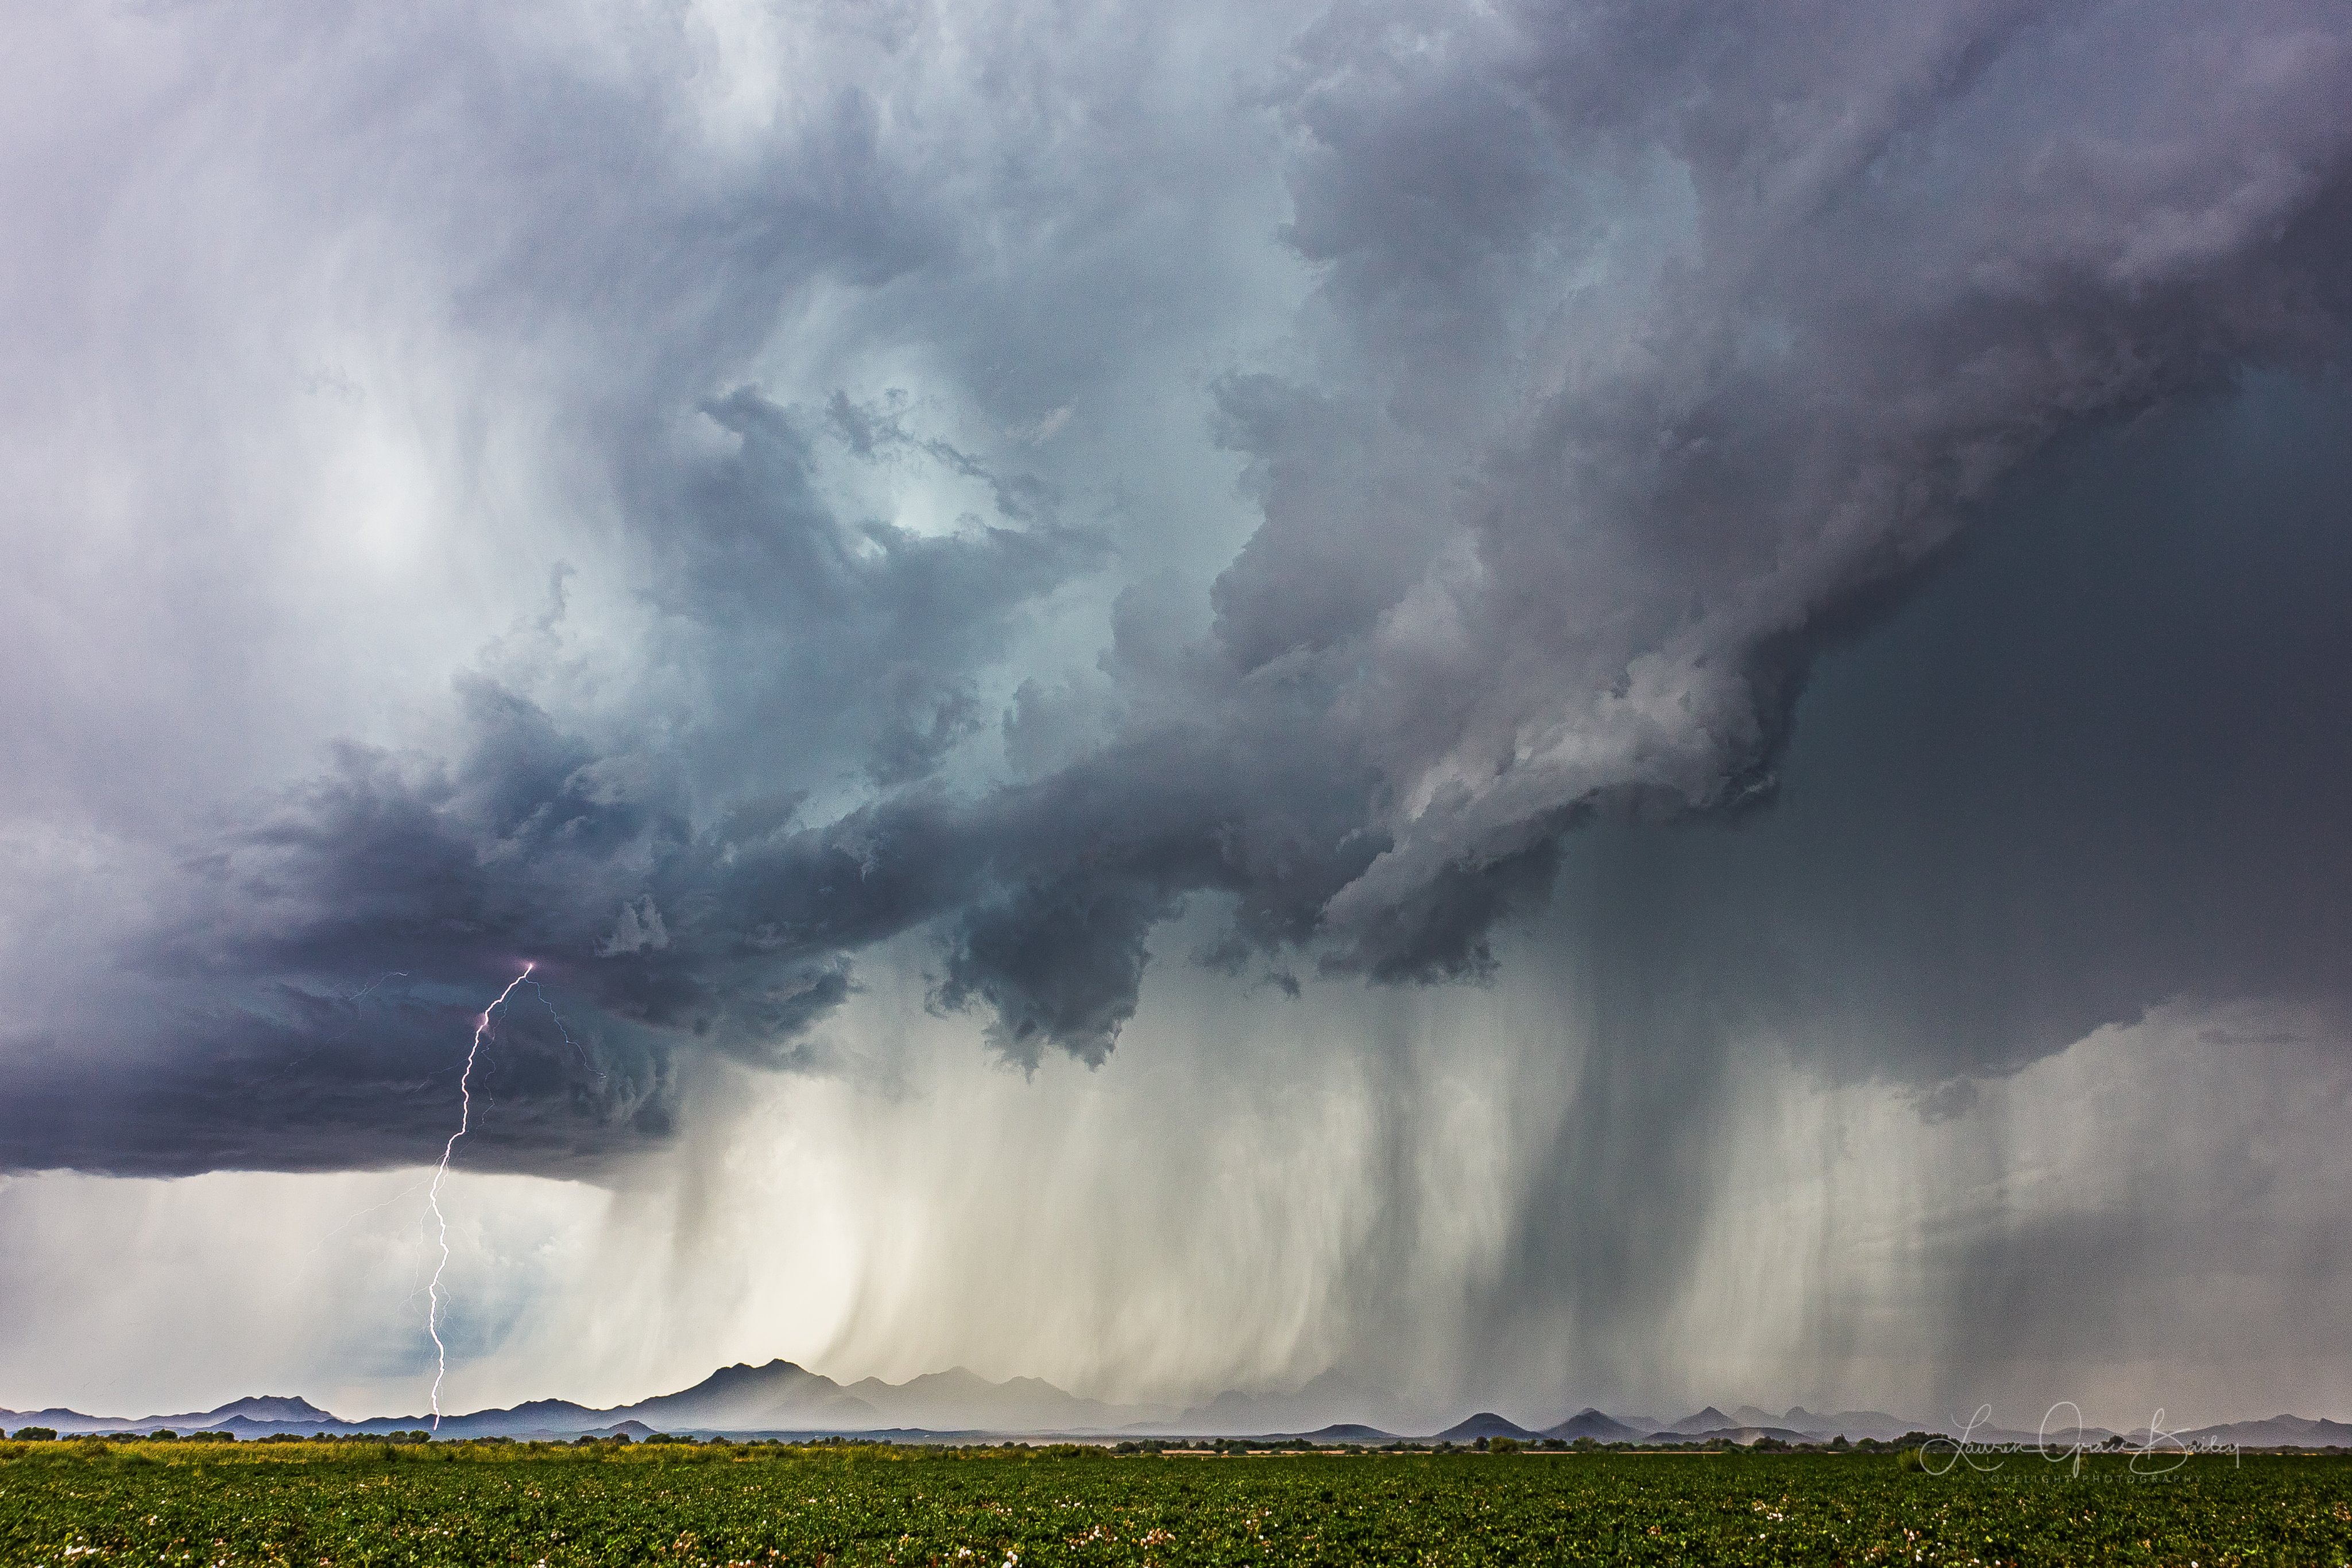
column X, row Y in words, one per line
column 781, row 1398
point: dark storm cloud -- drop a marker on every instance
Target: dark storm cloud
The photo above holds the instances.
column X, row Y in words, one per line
column 1649, row 346
column 369, row 1090
column 2099, row 763
column 1919, row 248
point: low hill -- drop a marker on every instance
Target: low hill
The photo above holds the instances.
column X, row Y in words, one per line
column 1346, row 1432
column 1486, row 1424
column 1597, row 1424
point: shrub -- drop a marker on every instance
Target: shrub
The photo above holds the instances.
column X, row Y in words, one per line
column 35, row 1434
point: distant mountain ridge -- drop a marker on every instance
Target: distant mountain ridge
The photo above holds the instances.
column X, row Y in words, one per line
column 1329, row 1399
column 779, row 1397
column 1707, row 1420
column 783, row 1398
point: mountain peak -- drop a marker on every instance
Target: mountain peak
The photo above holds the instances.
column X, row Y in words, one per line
column 1595, row 1423
column 270, row 1408
column 742, row 1372
column 1707, row 1420
column 958, row 1377
column 1486, row 1424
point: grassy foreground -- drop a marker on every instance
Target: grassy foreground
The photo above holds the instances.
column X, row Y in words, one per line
column 66, row 1505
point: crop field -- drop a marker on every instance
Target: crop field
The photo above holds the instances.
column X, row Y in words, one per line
column 68, row 1505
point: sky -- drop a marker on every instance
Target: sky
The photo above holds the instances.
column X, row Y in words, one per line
column 1528, row 705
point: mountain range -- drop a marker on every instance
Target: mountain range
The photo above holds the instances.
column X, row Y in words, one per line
column 783, row 1399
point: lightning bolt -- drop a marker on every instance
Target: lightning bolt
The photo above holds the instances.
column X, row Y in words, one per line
column 432, row 1192
column 578, row 1049
column 372, row 985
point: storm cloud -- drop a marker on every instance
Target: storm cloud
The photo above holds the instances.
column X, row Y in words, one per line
column 1578, row 374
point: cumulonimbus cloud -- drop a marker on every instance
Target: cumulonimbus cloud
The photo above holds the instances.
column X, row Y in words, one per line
column 1644, row 343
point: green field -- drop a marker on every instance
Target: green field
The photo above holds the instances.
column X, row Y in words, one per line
column 64, row 1505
